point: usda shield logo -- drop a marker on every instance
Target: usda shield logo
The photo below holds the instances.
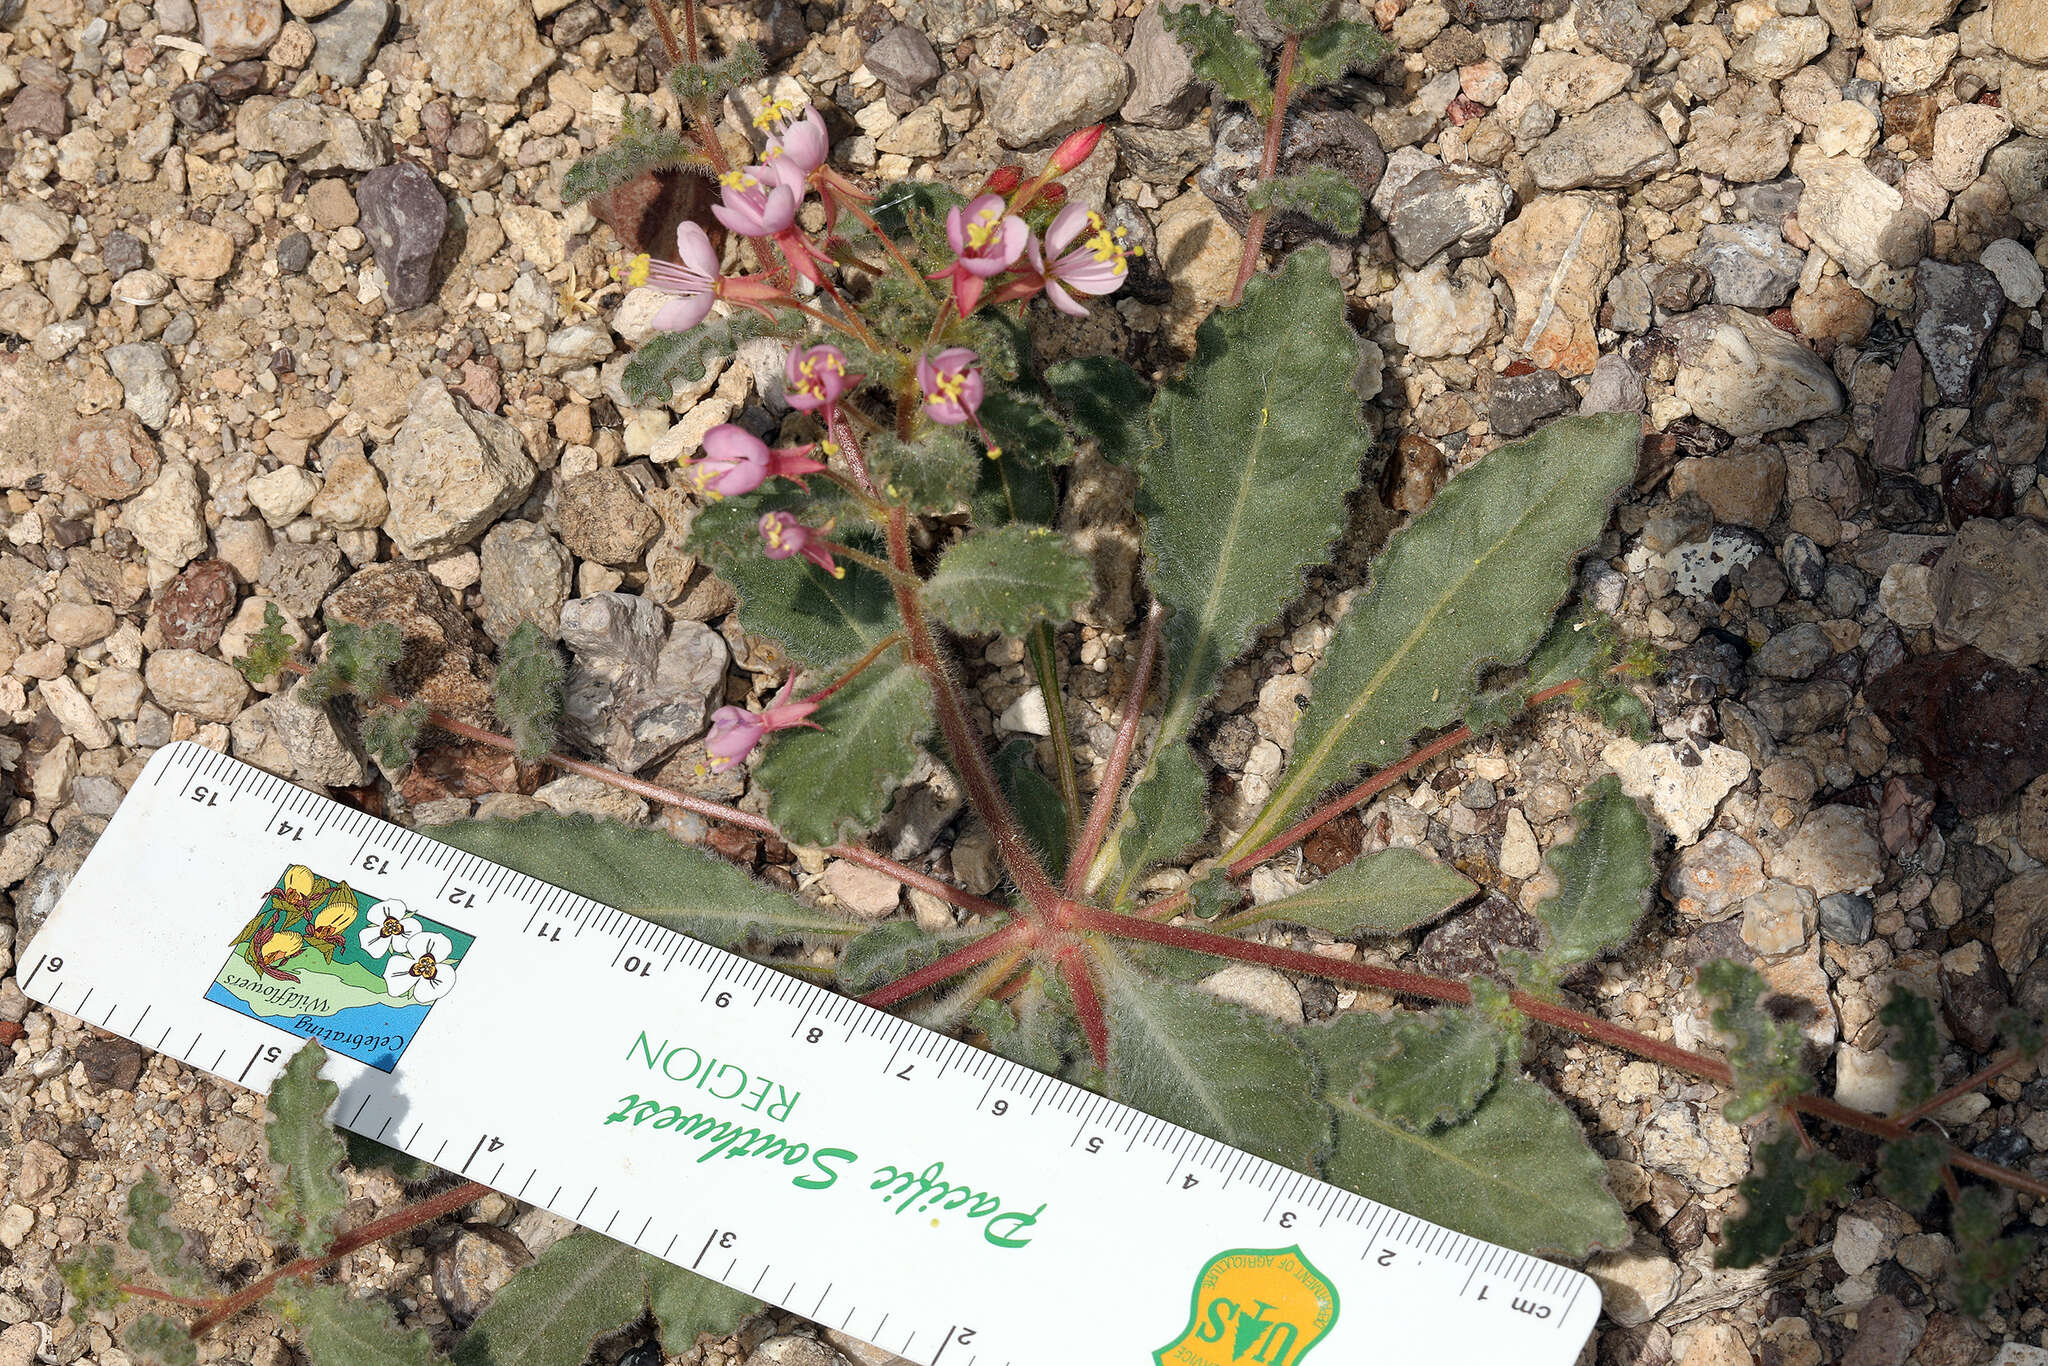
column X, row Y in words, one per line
column 1254, row 1307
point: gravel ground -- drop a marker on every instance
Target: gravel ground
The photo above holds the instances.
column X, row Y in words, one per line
column 244, row 362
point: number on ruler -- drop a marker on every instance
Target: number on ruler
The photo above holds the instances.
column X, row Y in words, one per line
column 1001, row 1107
column 286, row 830
column 722, row 999
column 635, row 966
column 1095, row 1145
column 549, row 932
column 1287, row 1219
column 204, row 795
column 1190, row 1181
column 814, row 1036
column 376, row 863
column 461, row 896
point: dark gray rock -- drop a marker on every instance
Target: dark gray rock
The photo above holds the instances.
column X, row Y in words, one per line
column 1519, row 402
column 1959, row 307
column 903, row 59
column 1454, row 209
column 1846, row 917
column 1794, row 653
column 123, row 252
column 1806, row 565
column 346, row 41
column 1334, row 138
column 298, row 578
column 294, row 253
column 404, row 217
column 195, row 106
column 1613, row 387
column 1750, row 264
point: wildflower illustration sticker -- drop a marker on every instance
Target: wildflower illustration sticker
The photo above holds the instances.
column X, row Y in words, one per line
column 1254, row 1307
column 324, row 961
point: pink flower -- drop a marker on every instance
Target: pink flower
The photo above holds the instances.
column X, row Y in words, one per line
column 953, row 388
column 786, row 536
column 761, row 201
column 987, row 240
column 803, row 142
column 1094, row 265
column 735, row 731
column 735, row 461
column 694, row 281
column 815, row 378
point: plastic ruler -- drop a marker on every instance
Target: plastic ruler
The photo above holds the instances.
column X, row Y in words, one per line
column 915, row 1192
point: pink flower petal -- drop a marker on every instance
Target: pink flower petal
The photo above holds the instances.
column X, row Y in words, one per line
column 682, row 313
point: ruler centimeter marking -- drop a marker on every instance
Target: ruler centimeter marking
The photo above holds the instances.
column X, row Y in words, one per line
column 938, row 1200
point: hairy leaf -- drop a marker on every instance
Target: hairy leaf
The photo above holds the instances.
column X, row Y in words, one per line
column 639, row 146
column 1916, row 1044
column 1036, row 800
column 1604, row 877
column 1419, row 1069
column 312, row 1195
column 893, row 949
column 359, row 662
column 934, row 472
column 1035, row 1030
column 1300, row 16
column 1472, row 580
column 1007, row 579
column 644, row 871
column 1986, row 1263
column 1517, row 1172
column 340, row 1329
column 819, row 619
column 665, row 357
column 157, row 1341
column 829, row 783
column 1909, row 1169
column 151, row 1233
column 1390, row 892
column 693, row 81
column 1785, row 1185
column 584, row 1287
column 365, row 1153
column 1766, row 1052
column 1014, row 491
column 917, row 209
column 1105, row 399
column 1221, row 55
column 269, row 649
column 1336, row 51
column 1025, row 429
column 1320, row 193
column 93, row 1282
column 526, row 691
column 1207, row 1065
column 392, row 734
column 1164, row 813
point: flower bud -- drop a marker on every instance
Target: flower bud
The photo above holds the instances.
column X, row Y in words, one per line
column 1076, row 148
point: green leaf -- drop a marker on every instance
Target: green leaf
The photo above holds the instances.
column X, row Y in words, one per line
column 665, row 357
column 93, row 1282
column 1916, row 1043
column 269, row 649
column 1517, row 1172
column 1766, row 1052
column 157, row 1341
column 359, row 662
column 1165, row 813
column 526, row 691
column 584, row 1287
column 1221, row 55
column 645, row 872
column 1336, row 51
column 1320, row 193
column 1036, row 1030
column 1909, row 1169
column 935, row 472
column 1207, row 1065
column 1986, row 1263
column 1300, row 16
column 1472, row 580
column 916, row 209
column 639, row 146
column 693, row 81
column 312, row 1195
column 1036, row 800
column 836, row 782
column 893, row 949
column 339, row 1329
column 1419, row 1069
column 1785, row 1185
column 392, row 734
column 1604, row 878
column 1390, row 892
column 1025, row 429
column 1014, row 491
column 151, row 1233
column 818, row 619
column 1105, row 399
column 365, row 1153
column 1006, row 579
column 1258, row 444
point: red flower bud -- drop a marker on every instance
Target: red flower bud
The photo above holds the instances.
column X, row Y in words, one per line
column 1053, row 194
column 1003, row 180
column 1077, row 147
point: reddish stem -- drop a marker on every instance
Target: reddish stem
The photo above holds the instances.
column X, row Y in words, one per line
column 894, row 638
column 952, row 965
column 1073, row 961
column 411, row 1217
column 1103, row 811
column 1269, row 162
column 1962, row 1088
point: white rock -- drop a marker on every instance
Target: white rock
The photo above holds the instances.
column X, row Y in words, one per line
column 166, row 517
column 1258, row 989
column 2020, row 1354
column 1435, row 315
column 2019, row 274
column 1027, row 715
column 1684, row 790
column 1636, row 1283
column 1519, row 856
column 73, row 712
column 283, row 493
column 188, row 681
column 1846, row 128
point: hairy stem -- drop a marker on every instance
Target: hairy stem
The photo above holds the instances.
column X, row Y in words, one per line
column 666, row 29
column 1073, row 961
column 1016, row 933
column 856, row 463
column 958, row 727
column 886, row 643
column 1104, row 809
column 1269, row 162
column 399, row 1221
column 1042, row 648
column 1981, row 1077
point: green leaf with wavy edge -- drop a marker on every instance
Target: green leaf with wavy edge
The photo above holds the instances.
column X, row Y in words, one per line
column 1783, row 1187
column 638, row 147
column 916, row 209
column 93, row 1282
column 1208, row 1065
column 1221, row 55
column 1916, row 1044
column 1007, row 579
column 526, row 689
column 269, row 649
column 1421, row 1069
column 1987, row 1264
column 157, row 1341
column 715, row 80
column 584, row 1287
column 1473, row 580
column 828, row 784
column 819, row 620
column 1014, row 491
column 934, row 472
column 644, row 871
column 1604, row 878
column 151, row 1233
column 1390, row 892
column 1036, row 1029
column 1258, row 444
column 339, row 1328
column 1765, row 1055
column 312, row 1195
column 391, row 735
column 665, row 357
column 366, row 1153
column 1036, row 800
column 1023, row 428
column 1517, row 1172
column 1909, row 1169
column 1165, row 813
column 1336, row 51
column 1105, row 399
column 1300, row 16
column 1321, row 194
column 896, row 948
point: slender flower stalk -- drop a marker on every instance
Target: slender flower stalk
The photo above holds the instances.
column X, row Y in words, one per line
column 783, row 536
column 736, row 732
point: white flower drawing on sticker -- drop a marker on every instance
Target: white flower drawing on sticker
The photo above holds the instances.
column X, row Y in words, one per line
column 420, row 968
column 391, row 924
